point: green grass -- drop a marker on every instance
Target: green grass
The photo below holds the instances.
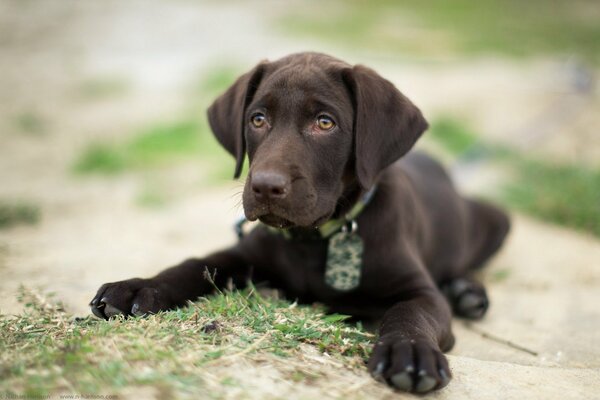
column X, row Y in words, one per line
column 441, row 27
column 152, row 197
column 153, row 146
column 30, row 123
column 500, row 275
column 102, row 88
column 101, row 158
column 215, row 80
column 164, row 143
column 46, row 351
column 452, row 135
column 13, row 213
column 563, row 194
column 157, row 146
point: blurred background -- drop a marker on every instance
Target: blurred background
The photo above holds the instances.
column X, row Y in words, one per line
column 108, row 169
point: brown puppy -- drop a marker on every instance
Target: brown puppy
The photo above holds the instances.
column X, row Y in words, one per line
column 360, row 228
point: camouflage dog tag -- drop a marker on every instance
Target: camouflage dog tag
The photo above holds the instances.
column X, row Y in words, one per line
column 344, row 261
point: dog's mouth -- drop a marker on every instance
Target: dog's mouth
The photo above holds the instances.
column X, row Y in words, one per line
column 277, row 221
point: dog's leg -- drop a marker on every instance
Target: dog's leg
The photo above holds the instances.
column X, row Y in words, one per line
column 413, row 335
column 171, row 288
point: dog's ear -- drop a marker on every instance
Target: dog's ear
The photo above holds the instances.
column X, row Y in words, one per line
column 386, row 123
column 226, row 114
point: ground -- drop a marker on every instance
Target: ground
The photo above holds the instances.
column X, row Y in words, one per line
column 73, row 73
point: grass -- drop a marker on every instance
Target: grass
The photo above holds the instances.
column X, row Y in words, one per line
column 152, row 146
column 564, row 194
column 30, row 123
column 568, row 195
column 166, row 143
column 152, row 196
column 182, row 353
column 18, row 213
column 215, row 80
column 452, row 135
column 156, row 146
column 500, row 275
column 441, row 27
column 102, row 88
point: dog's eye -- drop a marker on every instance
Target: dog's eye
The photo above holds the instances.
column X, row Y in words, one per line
column 258, row 120
column 325, row 123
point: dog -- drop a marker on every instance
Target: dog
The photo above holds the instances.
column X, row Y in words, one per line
column 349, row 218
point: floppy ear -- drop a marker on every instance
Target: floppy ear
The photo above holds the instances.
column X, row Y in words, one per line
column 226, row 114
column 386, row 124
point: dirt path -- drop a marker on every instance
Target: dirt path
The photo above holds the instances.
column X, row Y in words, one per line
column 544, row 286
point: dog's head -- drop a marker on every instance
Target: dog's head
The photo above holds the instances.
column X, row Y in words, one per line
column 317, row 132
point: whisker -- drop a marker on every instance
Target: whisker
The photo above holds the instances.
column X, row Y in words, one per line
column 238, row 193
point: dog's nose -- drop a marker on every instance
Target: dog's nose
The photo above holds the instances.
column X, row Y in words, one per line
column 270, row 185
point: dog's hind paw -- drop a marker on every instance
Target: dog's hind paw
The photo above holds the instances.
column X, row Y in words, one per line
column 467, row 297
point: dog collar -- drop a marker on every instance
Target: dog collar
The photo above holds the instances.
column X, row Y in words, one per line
column 343, row 268
column 348, row 221
column 326, row 230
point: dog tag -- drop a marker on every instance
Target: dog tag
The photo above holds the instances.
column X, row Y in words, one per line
column 344, row 260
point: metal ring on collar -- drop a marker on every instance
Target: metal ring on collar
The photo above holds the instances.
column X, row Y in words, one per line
column 350, row 227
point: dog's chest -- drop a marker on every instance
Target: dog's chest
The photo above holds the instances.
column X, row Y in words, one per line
column 320, row 270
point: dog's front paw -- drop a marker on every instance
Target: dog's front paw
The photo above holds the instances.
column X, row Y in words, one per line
column 409, row 365
column 131, row 297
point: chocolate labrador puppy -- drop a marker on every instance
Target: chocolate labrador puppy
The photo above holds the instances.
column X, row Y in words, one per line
column 348, row 218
